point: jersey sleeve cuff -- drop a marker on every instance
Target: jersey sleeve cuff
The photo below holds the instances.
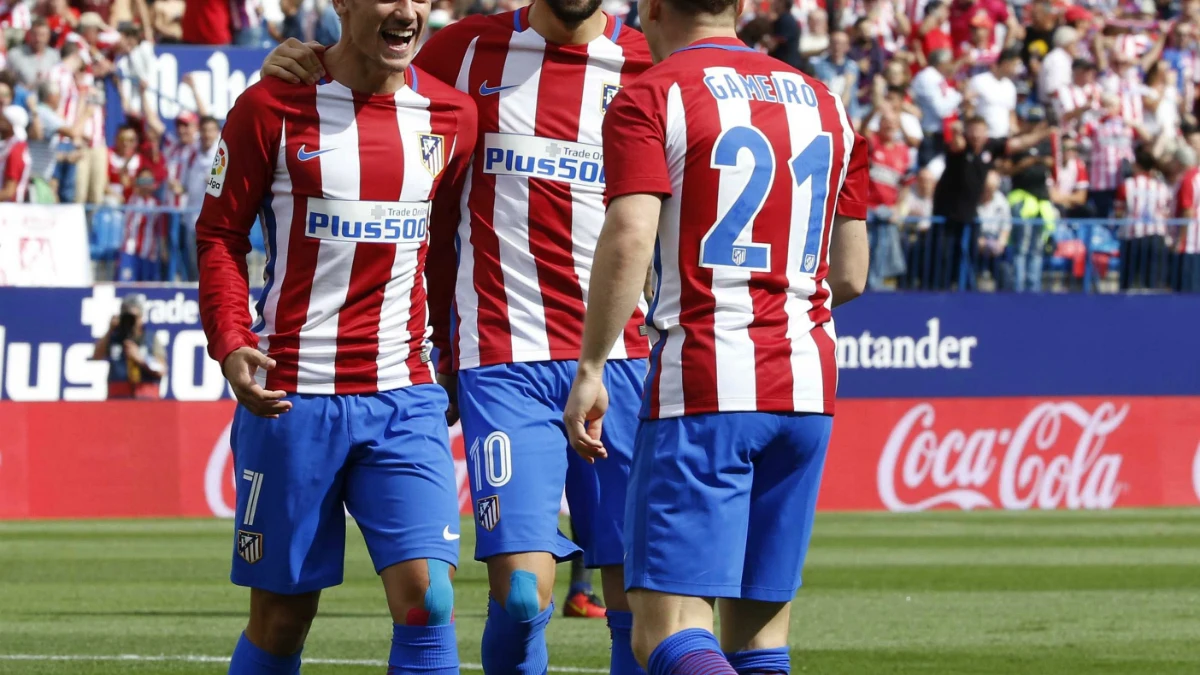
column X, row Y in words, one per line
column 852, row 209
column 228, row 342
column 636, row 186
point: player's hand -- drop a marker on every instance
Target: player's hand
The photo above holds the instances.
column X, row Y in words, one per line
column 450, row 384
column 584, row 416
column 295, row 61
column 239, row 368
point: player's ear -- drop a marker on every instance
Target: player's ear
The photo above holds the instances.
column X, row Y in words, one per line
column 653, row 9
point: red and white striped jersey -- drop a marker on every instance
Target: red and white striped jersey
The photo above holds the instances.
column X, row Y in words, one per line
column 1072, row 176
column 1130, row 89
column 1075, row 97
column 1146, row 200
column 179, row 158
column 344, row 182
column 68, row 91
column 754, row 160
column 533, row 208
column 1188, row 199
column 1111, row 142
column 143, row 230
column 15, row 14
column 15, row 155
column 119, row 168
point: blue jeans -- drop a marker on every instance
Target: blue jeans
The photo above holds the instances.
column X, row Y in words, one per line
column 64, row 173
column 1026, row 246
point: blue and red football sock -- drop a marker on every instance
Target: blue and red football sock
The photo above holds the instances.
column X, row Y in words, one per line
column 761, row 661
column 694, row 651
column 250, row 660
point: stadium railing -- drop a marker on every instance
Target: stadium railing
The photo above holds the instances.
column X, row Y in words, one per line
column 106, row 238
column 1086, row 255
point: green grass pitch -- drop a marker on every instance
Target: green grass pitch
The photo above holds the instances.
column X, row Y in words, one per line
column 1061, row 593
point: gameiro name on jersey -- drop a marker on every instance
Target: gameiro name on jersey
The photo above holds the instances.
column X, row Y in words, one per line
column 346, row 186
column 755, row 159
column 533, row 205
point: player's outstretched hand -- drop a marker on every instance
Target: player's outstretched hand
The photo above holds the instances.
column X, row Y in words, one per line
column 584, row 416
column 239, row 369
column 450, row 384
column 295, row 61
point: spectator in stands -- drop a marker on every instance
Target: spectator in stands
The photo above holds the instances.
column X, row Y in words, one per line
column 1069, row 191
column 1043, row 19
column 208, row 22
column 969, row 157
column 33, row 60
column 69, row 108
column 964, row 12
column 1110, row 140
column 1161, row 101
column 914, row 211
column 816, row 39
column 196, row 183
column 1187, row 266
column 134, row 369
column 981, row 52
column 783, row 42
column 14, row 155
column 62, row 20
column 838, row 71
column 1056, row 67
column 246, row 22
column 866, row 49
column 1076, row 102
column 930, row 35
column 1032, row 172
column 135, row 60
column 1144, row 198
column 994, row 95
column 168, row 20
column 123, row 163
column 56, row 141
column 995, row 227
column 889, row 164
column 938, row 102
column 908, row 114
column 143, row 253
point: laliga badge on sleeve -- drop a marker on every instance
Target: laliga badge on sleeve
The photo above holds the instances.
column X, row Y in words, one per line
column 220, row 169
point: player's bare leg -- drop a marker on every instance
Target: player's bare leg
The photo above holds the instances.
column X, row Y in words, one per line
column 522, row 589
column 754, row 635
column 279, row 623
column 673, row 634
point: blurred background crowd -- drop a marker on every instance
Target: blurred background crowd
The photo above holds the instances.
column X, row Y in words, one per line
column 1010, row 142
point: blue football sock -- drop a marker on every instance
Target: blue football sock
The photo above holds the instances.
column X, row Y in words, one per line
column 690, row 652
column 761, row 661
column 620, row 624
column 250, row 660
column 515, row 647
column 423, row 649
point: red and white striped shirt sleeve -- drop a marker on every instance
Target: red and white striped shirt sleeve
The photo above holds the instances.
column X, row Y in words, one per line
column 237, row 183
column 854, row 196
column 635, row 144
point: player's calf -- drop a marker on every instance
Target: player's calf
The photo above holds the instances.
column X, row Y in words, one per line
column 521, row 602
column 421, row 599
column 275, row 634
column 754, row 636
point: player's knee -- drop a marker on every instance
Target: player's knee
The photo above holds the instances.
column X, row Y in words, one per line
column 439, row 597
column 523, row 602
column 279, row 623
column 642, row 644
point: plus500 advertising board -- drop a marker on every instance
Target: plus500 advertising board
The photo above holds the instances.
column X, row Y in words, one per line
column 953, row 401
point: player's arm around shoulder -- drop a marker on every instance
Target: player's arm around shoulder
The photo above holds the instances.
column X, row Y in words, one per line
column 849, row 255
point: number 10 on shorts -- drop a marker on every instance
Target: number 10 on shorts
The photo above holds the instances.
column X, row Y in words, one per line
column 492, row 459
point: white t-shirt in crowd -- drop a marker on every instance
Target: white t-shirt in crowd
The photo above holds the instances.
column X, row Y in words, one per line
column 995, row 101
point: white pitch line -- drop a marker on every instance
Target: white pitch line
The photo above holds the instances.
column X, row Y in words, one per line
column 192, row 658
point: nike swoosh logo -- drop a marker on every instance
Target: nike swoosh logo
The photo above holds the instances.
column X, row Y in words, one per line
column 485, row 90
column 447, row 536
column 305, row 156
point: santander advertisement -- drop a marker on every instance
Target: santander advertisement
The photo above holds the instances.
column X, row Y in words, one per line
column 947, row 402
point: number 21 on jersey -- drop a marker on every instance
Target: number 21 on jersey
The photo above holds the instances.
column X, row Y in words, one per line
column 728, row 242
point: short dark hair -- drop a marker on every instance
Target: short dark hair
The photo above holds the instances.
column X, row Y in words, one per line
column 1010, row 53
column 897, row 89
column 1144, row 158
column 976, row 119
column 39, row 22
column 209, row 119
column 697, row 7
column 70, row 49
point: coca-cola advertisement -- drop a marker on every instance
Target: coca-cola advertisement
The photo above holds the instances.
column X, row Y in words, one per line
column 171, row 458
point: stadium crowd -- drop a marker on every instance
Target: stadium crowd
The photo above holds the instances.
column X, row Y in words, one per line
column 1102, row 93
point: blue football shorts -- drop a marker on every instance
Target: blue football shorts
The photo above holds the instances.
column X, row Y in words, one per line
column 384, row 458
column 519, row 461
column 721, row 505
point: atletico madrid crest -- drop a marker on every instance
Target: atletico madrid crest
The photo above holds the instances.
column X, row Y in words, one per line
column 487, row 512
column 249, row 546
column 609, row 92
column 433, row 153
column 810, row 262
column 739, row 256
